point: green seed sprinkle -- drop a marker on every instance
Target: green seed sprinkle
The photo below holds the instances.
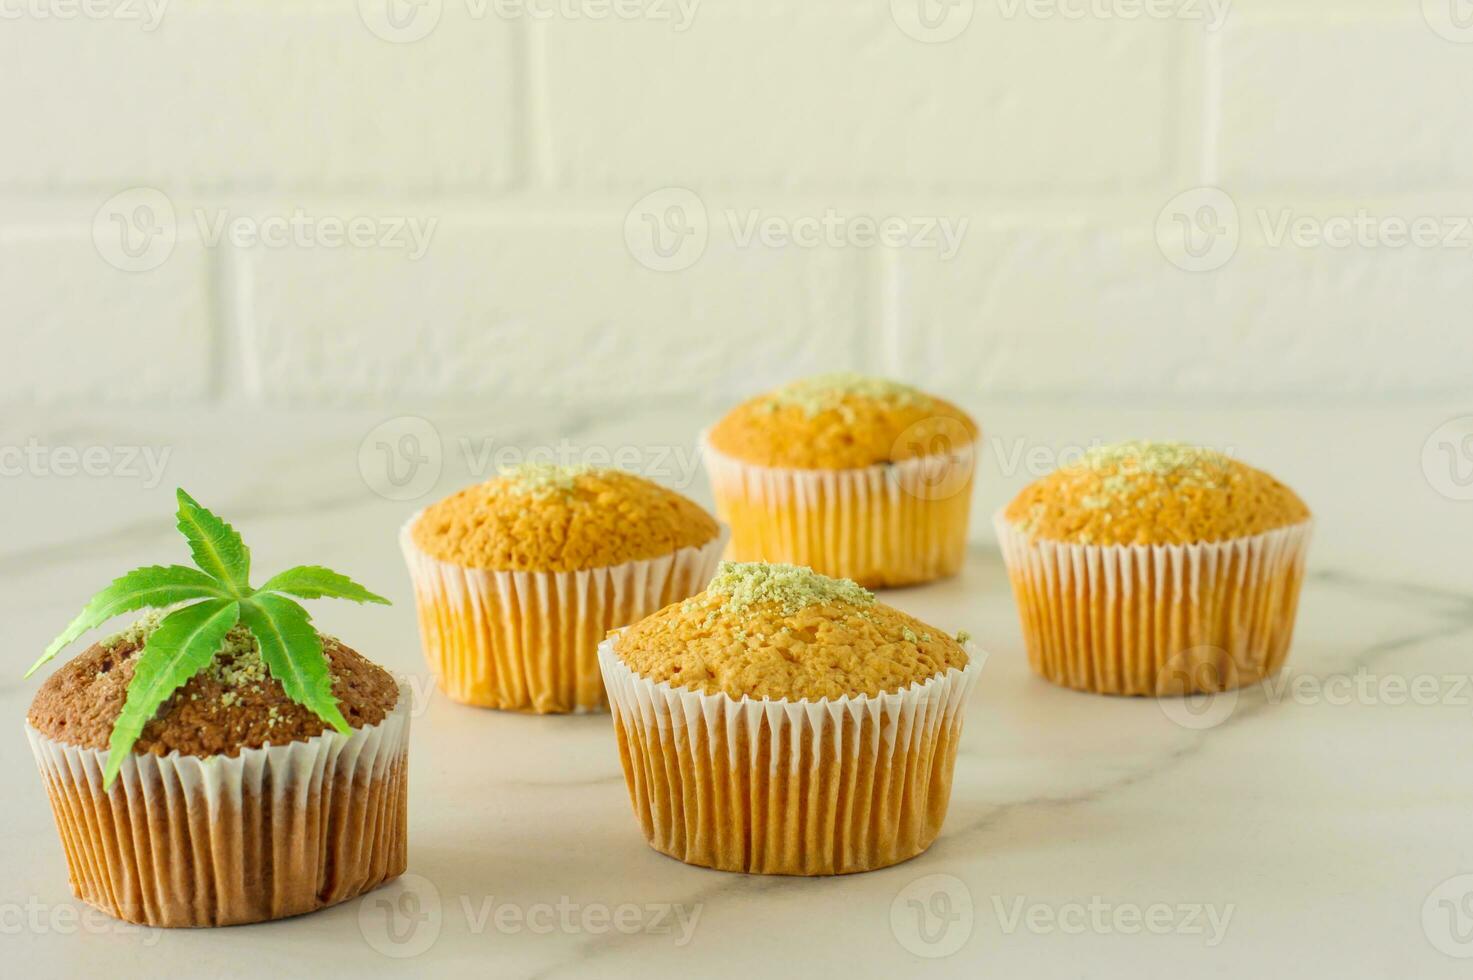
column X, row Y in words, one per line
column 828, row 391
column 791, row 587
column 541, row 479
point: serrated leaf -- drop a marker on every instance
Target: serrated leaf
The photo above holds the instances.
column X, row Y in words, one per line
column 293, row 653
column 316, row 582
column 184, row 643
column 216, row 546
column 152, row 586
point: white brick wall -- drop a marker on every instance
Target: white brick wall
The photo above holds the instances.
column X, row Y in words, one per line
column 1055, row 141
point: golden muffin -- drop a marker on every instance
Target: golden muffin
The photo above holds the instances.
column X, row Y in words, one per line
column 518, row 579
column 1156, row 568
column 856, row 477
column 784, row 722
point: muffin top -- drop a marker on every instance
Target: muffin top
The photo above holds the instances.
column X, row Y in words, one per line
column 841, row 421
column 1153, row 493
column 542, row 517
column 782, row 631
column 232, row 704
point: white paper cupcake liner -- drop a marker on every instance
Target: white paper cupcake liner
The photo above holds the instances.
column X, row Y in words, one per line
column 788, row 787
column 184, row 840
column 528, row 641
column 1157, row 619
column 887, row 525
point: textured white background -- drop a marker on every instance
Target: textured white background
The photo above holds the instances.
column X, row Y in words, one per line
column 1057, row 132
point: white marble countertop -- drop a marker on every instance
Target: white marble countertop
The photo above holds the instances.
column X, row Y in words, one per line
column 1317, row 825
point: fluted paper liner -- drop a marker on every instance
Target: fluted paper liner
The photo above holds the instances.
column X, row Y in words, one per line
column 183, row 840
column 888, row 525
column 788, row 787
column 528, row 641
column 1157, row 619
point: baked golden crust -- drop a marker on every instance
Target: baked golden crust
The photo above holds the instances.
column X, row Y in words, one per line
column 841, row 421
column 1153, row 493
column 231, row 705
column 560, row 519
column 779, row 631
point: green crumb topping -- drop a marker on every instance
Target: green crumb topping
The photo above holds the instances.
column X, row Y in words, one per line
column 236, row 664
column 910, row 635
column 138, row 633
column 791, row 587
column 823, row 392
column 239, row 661
column 1131, row 466
column 962, row 636
column 542, row 479
column 1144, row 456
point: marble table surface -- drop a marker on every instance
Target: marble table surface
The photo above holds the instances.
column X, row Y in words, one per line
column 1316, row 825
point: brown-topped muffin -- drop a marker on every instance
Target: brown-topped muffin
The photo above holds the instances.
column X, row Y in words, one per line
column 220, row 761
column 233, row 704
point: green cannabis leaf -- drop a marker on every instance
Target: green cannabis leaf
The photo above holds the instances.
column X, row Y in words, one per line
column 181, row 647
column 187, row 639
column 293, row 653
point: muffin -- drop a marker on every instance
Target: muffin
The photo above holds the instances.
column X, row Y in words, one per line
column 855, row 477
column 1156, row 568
column 222, row 762
column 784, row 722
column 519, row 578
